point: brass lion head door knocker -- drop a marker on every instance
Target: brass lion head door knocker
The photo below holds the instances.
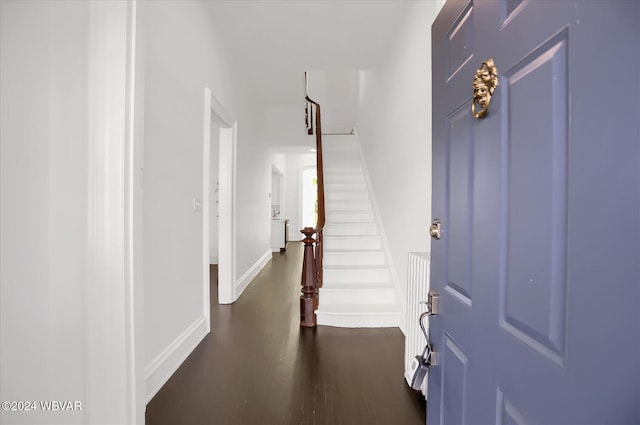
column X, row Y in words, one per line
column 484, row 84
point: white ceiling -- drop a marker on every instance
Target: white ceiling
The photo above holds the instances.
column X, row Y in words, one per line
column 276, row 41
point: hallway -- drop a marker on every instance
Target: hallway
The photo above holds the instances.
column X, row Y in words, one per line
column 257, row 366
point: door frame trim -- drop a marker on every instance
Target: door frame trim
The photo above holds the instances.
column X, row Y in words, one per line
column 214, row 111
column 114, row 305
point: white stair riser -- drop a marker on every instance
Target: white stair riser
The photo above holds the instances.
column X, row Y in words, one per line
column 341, row 169
column 347, row 296
column 344, row 187
column 332, row 146
column 342, row 150
column 331, row 154
column 351, row 229
column 352, row 242
column 332, row 160
column 349, row 217
column 341, row 162
column 350, row 195
column 339, row 140
column 353, row 258
column 348, row 205
column 385, row 320
column 344, row 178
column 373, row 275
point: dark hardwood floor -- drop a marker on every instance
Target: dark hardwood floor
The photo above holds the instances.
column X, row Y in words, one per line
column 258, row 366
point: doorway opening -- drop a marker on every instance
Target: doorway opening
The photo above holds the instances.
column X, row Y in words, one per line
column 277, row 193
column 309, row 205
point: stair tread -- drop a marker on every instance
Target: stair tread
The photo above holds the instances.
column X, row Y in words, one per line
column 338, row 234
column 355, row 285
column 351, row 237
column 337, row 204
column 353, row 251
column 352, row 213
column 342, row 205
column 350, row 223
column 335, row 232
column 342, row 169
column 368, row 214
column 355, row 267
column 329, row 202
column 355, row 212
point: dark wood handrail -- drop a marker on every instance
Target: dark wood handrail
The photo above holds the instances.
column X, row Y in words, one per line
column 309, row 298
column 317, row 129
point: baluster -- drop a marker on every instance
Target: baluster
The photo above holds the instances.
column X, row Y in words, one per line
column 309, row 296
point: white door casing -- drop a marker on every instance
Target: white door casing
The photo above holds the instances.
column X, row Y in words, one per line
column 114, row 337
column 216, row 112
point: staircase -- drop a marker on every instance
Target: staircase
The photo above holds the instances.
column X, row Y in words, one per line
column 357, row 287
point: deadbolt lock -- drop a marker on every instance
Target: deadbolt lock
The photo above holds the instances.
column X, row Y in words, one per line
column 434, row 229
column 432, row 306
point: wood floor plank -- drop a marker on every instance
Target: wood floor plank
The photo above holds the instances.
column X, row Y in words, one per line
column 258, row 366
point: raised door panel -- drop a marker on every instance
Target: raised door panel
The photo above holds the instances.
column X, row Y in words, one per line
column 534, row 282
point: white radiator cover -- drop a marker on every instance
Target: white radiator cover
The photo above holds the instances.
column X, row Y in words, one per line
column 417, row 289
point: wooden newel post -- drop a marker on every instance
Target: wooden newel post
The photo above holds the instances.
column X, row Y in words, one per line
column 319, row 254
column 309, row 297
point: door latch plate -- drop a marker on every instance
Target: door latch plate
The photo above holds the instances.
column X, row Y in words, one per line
column 433, row 303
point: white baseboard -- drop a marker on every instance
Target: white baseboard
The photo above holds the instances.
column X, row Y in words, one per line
column 349, row 320
column 161, row 368
column 248, row 276
column 213, row 260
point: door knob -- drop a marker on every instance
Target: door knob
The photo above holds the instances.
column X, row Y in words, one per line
column 434, row 229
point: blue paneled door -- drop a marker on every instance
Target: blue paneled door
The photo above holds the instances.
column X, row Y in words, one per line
column 538, row 263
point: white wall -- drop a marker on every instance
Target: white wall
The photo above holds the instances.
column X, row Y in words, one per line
column 184, row 55
column 284, row 126
column 293, row 191
column 337, row 93
column 394, row 128
column 43, row 205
